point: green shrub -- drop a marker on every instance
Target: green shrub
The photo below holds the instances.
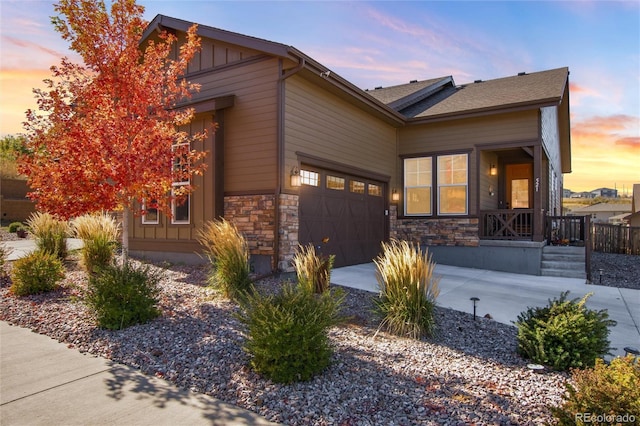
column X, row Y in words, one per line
column 38, row 272
column 564, row 334
column 50, row 233
column 122, row 296
column 14, row 226
column 601, row 391
column 228, row 252
column 287, row 333
column 99, row 234
column 313, row 270
column 408, row 289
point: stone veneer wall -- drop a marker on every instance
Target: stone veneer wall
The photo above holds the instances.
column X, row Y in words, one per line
column 254, row 216
column 289, row 225
column 435, row 232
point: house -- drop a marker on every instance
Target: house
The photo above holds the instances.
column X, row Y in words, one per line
column 604, row 192
column 301, row 155
column 634, row 218
column 603, row 212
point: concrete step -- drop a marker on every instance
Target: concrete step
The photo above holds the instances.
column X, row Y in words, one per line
column 564, row 273
column 563, row 264
column 563, row 257
column 563, row 261
column 563, row 250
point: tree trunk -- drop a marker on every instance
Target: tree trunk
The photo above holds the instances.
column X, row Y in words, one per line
column 125, row 234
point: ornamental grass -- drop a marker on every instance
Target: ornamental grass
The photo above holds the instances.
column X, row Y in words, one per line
column 228, row 253
column 99, row 233
column 408, row 289
column 50, row 233
column 313, row 270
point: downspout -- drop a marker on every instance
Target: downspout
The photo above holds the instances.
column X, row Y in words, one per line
column 280, row 158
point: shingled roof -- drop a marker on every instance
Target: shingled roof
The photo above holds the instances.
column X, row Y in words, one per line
column 536, row 89
column 400, row 96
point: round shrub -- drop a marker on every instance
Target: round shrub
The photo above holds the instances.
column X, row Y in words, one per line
column 122, row 296
column 14, row 226
column 287, row 333
column 612, row 391
column 38, row 272
column 564, row 334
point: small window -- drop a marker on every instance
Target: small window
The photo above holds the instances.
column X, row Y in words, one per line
column 356, row 187
column 151, row 215
column 335, row 182
column 375, row 190
column 308, row 177
column 180, row 210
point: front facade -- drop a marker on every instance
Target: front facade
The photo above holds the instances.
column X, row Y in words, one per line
column 301, row 156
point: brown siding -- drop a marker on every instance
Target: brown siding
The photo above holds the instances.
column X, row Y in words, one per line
column 322, row 125
column 215, row 53
column 250, row 125
column 462, row 134
column 465, row 134
column 201, row 209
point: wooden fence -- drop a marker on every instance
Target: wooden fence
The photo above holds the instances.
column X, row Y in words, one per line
column 615, row 238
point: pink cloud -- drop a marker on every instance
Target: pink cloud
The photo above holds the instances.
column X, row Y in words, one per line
column 631, row 142
column 24, row 44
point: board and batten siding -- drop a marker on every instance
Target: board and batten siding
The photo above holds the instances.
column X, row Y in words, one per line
column 251, row 131
column 551, row 143
column 201, row 209
column 320, row 124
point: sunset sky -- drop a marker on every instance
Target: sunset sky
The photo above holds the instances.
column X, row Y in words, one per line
column 379, row 43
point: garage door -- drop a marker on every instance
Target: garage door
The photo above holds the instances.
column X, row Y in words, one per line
column 342, row 214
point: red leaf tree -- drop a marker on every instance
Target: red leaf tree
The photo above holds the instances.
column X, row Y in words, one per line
column 107, row 134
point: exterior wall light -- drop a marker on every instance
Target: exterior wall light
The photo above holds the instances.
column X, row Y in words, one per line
column 295, row 177
column 395, row 195
column 493, row 170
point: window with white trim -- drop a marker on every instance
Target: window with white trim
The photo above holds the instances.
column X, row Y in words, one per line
column 450, row 172
column 452, row 184
column 417, row 186
column 180, row 200
column 151, row 215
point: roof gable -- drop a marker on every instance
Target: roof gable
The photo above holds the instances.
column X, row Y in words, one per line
column 536, row 90
column 269, row 47
column 403, row 95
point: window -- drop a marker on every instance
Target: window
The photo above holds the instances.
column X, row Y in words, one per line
column 375, row 190
column 334, row 182
column 180, row 208
column 356, row 186
column 151, row 216
column 180, row 204
column 451, row 175
column 417, row 186
column 452, row 184
column 309, row 178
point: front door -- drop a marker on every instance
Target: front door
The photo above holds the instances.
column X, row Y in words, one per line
column 519, row 185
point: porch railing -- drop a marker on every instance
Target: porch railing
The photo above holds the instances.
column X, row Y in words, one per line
column 506, row 224
column 567, row 230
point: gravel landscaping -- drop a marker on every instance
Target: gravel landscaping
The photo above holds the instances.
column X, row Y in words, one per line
column 468, row 374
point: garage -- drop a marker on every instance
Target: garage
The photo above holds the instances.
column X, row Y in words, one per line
column 342, row 214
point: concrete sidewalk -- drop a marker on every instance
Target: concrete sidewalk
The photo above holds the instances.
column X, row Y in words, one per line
column 22, row 247
column 42, row 382
column 505, row 295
